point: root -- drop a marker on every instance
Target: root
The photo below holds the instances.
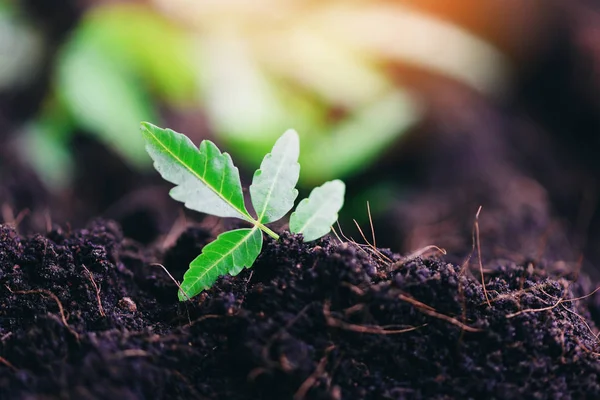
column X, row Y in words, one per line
column 173, row 279
column 531, row 310
column 253, row 374
column 281, row 331
column 20, row 216
column 475, row 242
column 372, row 247
column 256, row 372
column 9, row 217
column 311, row 380
column 342, row 232
column 417, row 254
column 354, row 309
column 336, row 234
column 8, row 364
column 582, row 297
column 97, row 291
column 178, row 285
column 58, row 303
column 427, row 310
column 362, row 247
column 130, row 353
column 382, row 257
column 585, row 348
column 487, row 298
column 520, row 292
column 594, row 334
column 560, row 301
column 203, row 318
column 246, row 288
column 353, row 288
column 350, row 240
column 376, row 330
column 371, row 225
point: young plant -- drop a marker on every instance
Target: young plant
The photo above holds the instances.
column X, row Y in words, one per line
column 207, row 181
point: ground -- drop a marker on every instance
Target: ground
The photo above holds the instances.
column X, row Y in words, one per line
column 86, row 314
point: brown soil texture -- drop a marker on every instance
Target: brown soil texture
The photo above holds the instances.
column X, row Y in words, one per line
column 308, row 321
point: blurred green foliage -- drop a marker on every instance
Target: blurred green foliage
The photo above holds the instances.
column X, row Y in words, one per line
column 106, row 78
column 123, row 62
column 20, row 47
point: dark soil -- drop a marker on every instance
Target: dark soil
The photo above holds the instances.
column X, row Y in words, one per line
column 310, row 321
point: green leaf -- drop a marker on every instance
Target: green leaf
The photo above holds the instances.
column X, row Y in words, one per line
column 273, row 186
column 207, row 181
column 342, row 148
column 48, row 155
column 228, row 254
column 148, row 43
column 315, row 215
column 104, row 99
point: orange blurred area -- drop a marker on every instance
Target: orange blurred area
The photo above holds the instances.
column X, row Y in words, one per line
column 516, row 27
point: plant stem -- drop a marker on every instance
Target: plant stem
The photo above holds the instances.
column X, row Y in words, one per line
column 267, row 231
column 261, row 227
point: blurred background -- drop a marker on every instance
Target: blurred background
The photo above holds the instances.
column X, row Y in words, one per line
column 426, row 109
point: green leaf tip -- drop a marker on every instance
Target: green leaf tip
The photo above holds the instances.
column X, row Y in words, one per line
column 315, row 215
column 273, row 186
column 207, row 181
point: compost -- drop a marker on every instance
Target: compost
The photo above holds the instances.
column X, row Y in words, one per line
column 87, row 314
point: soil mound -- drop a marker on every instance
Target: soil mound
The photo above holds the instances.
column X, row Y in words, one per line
column 84, row 314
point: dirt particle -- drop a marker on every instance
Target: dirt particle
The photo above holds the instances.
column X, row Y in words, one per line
column 127, row 304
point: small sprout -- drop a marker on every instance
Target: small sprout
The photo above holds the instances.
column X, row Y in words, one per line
column 207, row 181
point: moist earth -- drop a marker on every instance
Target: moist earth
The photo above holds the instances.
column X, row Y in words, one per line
column 88, row 314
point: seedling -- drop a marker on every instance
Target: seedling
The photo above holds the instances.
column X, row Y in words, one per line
column 207, row 181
